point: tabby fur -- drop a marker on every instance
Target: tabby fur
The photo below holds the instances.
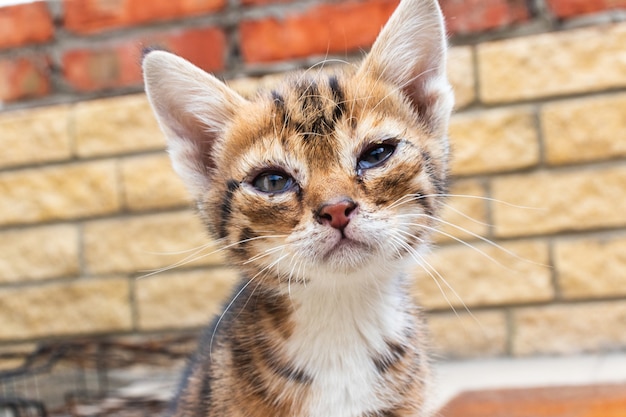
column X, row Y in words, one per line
column 321, row 191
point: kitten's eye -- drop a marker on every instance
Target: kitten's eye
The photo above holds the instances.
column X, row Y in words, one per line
column 375, row 155
column 273, row 182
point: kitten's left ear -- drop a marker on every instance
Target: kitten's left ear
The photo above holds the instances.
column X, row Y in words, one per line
column 193, row 109
column 410, row 53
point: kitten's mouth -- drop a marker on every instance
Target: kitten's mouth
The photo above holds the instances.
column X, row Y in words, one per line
column 347, row 242
column 345, row 245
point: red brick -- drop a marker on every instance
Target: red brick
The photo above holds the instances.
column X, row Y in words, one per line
column 24, row 24
column 24, row 77
column 570, row 8
column 119, row 65
column 567, row 401
column 471, row 16
column 205, row 47
column 262, row 2
column 90, row 16
column 327, row 28
column 89, row 70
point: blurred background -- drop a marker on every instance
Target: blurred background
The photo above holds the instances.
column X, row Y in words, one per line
column 99, row 251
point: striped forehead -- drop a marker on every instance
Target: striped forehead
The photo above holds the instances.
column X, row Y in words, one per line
column 311, row 106
column 317, row 120
column 308, row 111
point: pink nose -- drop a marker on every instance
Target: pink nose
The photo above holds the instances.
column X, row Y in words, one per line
column 337, row 215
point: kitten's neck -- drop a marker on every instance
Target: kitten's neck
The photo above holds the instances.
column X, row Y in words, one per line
column 345, row 335
column 360, row 308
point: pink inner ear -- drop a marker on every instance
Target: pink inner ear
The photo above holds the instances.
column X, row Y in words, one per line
column 187, row 161
column 189, row 144
column 410, row 53
column 193, row 108
column 432, row 100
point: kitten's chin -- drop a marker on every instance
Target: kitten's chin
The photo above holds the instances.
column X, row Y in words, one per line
column 333, row 254
column 347, row 248
column 357, row 269
column 349, row 256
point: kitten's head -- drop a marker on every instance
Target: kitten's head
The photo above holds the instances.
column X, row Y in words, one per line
column 331, row 172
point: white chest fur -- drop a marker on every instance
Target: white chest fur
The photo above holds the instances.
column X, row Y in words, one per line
column 338, row 332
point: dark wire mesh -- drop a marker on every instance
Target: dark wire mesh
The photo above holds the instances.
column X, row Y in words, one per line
column 125, row 377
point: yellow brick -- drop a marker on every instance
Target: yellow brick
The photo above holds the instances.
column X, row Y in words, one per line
column 182, row 299
column 38, row 253
column 35, row 136
column 493, row 141
column 143, row 244
column 485, row 275
column 575, row 61
column 60, row 192
column 115, row 125
column 150, row 182
column 569, row 329
column 461, row 75
column 553, row 202
column 465, row 213
column 484, row 333
column 585, row 129
column 591, row 267
column 71, row 308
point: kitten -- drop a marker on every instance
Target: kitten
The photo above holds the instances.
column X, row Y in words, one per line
column 320, row 190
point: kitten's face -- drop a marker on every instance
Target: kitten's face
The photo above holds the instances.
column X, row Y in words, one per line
column 329, row 174
column 337, row 166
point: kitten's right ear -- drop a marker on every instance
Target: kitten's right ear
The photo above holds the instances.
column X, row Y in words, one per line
column 193, row 109
column 410, row 53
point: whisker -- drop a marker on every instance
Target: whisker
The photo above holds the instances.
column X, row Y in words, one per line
column 382, row 247
column 195, row 257
column 187, row 260
column 182, row 251
column 459, row 240
column 265, row 274
column 405, row 199
column 434, row 274
column 264, row 254
column 414, row 197
column 430, row 270
column 474, row 235
column 454, row 292
column 219, row 320
column 465, row 216
column 493, row 200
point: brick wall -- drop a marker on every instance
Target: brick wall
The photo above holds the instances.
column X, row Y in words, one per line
column 89, row 205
